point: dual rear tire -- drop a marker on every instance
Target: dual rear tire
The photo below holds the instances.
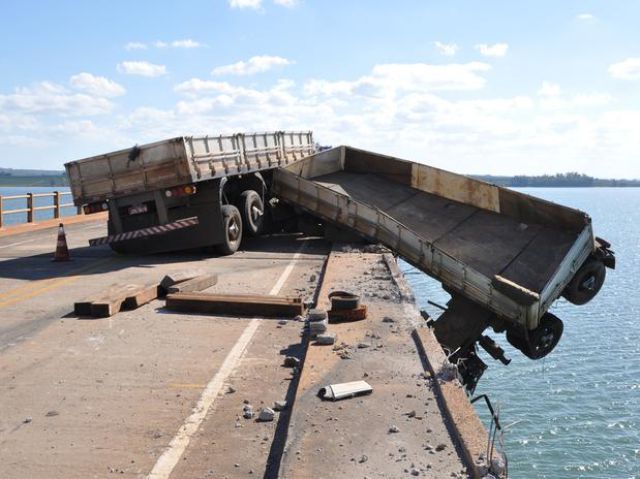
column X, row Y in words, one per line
column 247, row 217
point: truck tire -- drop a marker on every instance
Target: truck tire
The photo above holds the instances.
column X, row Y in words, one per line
column 541, row 341
column 252, row 210
column 232, row 224
column 341, row 300
column 586, row 283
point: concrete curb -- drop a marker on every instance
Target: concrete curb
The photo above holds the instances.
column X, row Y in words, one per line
column 464, row 424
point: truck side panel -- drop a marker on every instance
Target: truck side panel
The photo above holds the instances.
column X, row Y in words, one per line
column 158, row 165
column 182, row 160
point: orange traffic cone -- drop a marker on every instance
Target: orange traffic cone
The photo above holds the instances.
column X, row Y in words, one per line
column 62, row 251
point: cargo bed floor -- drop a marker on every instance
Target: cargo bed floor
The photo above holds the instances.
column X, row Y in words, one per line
column 491, row 243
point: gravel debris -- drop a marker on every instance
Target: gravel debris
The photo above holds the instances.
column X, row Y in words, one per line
column 266, row 414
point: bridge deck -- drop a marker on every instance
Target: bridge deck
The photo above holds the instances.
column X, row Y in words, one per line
column 87, row 398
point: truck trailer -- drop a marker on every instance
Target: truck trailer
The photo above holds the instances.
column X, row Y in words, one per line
column 185, row 192
column 504, row 256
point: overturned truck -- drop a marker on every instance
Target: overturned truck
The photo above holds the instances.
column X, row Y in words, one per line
column 185, row 192
column 504, row 256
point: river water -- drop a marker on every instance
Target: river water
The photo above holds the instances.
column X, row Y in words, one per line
column 575, row 413
column 16, row 218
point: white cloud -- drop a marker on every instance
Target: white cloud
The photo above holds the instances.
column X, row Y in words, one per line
column 628, row 69
column 50, row 98
column 495, row 50
column 183, row 43
column 253, row 4
column 135, row 46
column 186, row 43
column 586, row 17
column 97, row 85
column 145, row 69
column 549, row 89
column 388, row 80
column 439, row 114
column 447, row 49
column 257, row 64
column 286, row 3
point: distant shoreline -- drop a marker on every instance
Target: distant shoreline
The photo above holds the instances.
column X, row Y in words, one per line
column 563, row 180
column 27, row 181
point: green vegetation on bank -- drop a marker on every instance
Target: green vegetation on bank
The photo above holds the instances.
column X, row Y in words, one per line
column 13, row 177
column 19, row 177
column 558, row 180
column 33, row 180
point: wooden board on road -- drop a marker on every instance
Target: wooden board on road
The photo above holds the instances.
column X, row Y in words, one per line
column 115, row 298
column 199, row 283
column 236, row 304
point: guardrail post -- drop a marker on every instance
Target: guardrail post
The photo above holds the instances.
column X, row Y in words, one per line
column 0, row 211
column 30, row 207
column 56, row 204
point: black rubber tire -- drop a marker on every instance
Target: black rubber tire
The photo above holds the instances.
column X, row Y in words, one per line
column 341, row 300
column 541, row 341
column 232, row 224
column 251, row 208
column 586, row 283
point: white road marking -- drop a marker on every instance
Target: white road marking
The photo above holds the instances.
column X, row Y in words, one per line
column 169, row 459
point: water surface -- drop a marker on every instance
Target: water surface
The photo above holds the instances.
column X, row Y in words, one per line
column 17, row 218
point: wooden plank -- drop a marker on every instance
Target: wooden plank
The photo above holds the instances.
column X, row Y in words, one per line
column 110, row 302
column 83, row 307
column 175, row 278
column 235, row 305
column 198, row 283
column 141, row 297
column 528, row 209
column 455, row 187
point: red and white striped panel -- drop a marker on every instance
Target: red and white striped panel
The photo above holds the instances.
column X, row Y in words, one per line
column 150, row 231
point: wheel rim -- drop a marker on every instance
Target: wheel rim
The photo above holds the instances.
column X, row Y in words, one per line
column 256, row 212
column 233, row 229
column 589, row 284
column 546, row 341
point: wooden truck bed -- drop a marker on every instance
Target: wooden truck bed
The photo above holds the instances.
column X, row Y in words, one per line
column 509, row 252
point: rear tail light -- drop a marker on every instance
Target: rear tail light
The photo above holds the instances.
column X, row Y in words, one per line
column 184, row 190
column 95, row 207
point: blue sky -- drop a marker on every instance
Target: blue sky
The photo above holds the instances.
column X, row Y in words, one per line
column 496, row 87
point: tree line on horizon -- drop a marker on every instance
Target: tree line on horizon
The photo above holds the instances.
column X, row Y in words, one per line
column 571, row 179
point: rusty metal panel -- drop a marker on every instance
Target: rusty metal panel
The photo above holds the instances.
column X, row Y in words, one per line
column 455, row 187
column 375, row 224
column 182, row 160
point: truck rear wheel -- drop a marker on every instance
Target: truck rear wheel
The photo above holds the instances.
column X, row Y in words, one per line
column 541, row 341
column 252, row 211
column 232, row 224
column 586, row 283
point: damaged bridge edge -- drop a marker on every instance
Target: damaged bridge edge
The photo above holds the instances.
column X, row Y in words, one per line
column 462, row 421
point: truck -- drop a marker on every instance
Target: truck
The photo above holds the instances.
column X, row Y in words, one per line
column 185, row 192
column 504, row 256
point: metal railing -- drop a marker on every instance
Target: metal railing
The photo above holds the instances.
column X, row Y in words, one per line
column 31, row 207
